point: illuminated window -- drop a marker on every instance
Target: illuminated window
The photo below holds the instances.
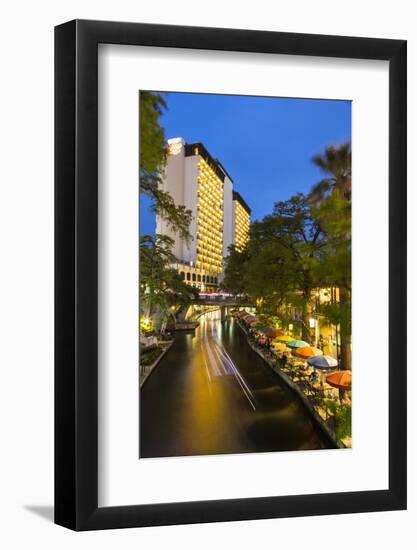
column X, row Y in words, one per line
column 209, row 218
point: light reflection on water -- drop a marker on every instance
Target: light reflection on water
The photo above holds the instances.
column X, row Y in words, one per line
column 212, row 394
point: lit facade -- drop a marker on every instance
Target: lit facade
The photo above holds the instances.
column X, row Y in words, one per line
column 241, row 222
column 196, row 276
column 199, row 182
column 210, row 214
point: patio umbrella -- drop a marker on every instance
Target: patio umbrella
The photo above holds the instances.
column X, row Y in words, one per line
column 322, row 362
column 251, row 320
column 341, row 379
column 308, row 351
column 285, row 338
column 297, row 344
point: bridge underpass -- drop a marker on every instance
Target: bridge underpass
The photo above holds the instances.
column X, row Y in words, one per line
column 207, row 304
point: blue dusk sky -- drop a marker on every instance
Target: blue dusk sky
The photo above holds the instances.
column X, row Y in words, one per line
column 265, row 144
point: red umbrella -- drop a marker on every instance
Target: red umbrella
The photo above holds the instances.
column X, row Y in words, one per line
column 341, row 379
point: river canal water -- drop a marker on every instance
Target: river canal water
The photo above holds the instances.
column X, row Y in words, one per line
column 212, row 394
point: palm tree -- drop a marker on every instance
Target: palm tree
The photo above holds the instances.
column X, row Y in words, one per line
column 332, row 198
column 336, row 163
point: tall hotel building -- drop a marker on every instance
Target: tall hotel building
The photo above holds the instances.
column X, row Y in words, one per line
column 220, row 216
column 241, row 221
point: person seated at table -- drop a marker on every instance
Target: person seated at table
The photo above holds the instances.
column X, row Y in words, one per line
column 314, row 378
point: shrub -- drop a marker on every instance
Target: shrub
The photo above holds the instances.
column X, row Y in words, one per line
column 148, row 356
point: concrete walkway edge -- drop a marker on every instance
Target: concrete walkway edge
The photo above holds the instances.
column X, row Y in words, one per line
column 155, row 364
column 297, row 390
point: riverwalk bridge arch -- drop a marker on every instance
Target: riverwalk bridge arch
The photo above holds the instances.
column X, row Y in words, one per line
column 202, row 305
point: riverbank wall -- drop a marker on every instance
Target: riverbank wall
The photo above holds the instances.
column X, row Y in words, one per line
column 143, row 376
column 294, row 387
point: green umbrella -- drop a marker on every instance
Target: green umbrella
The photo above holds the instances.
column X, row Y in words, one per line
column 294, row 344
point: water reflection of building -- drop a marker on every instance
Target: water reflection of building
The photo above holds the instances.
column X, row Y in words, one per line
column 220, row 216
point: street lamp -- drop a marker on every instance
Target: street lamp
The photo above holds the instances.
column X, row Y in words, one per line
column 146, row 324
column 314, row 325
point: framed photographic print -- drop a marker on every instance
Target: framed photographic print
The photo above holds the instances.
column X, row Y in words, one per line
column 230, row 275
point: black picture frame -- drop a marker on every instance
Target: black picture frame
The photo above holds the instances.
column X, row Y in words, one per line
column 76, row 272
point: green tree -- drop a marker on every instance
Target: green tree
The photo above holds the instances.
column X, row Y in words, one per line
column 278, row 266
column 152, row 161
column 161, row 287
column 298, row 239
column 331, row 207
column 235, row 265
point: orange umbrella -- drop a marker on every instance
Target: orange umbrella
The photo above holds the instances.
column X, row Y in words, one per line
column 308, row 351
column 341, row 379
